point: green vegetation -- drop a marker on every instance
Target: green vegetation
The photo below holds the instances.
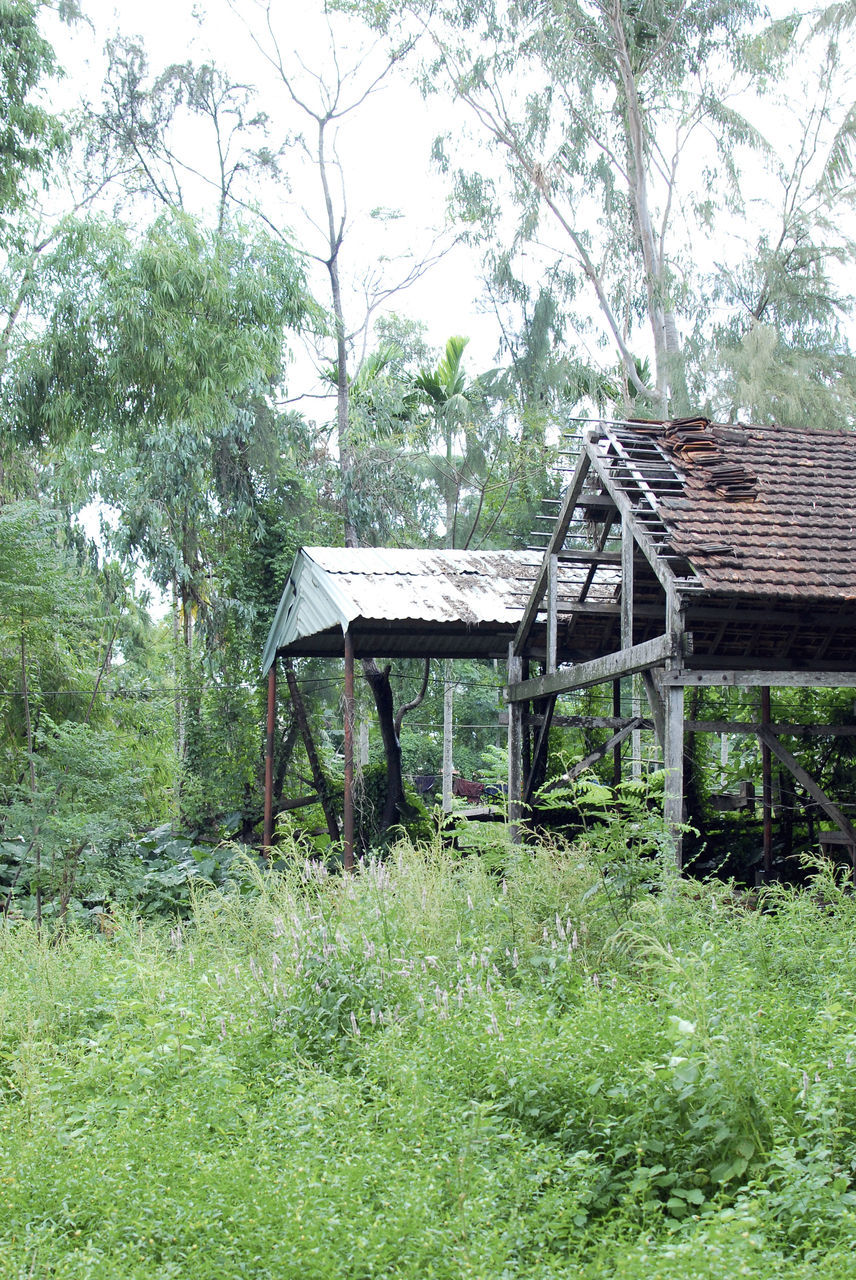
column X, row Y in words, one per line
column 432, row 1069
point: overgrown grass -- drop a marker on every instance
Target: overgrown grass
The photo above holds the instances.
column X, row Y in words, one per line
column 434, row 1069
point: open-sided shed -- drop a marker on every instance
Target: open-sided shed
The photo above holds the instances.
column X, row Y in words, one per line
column 690, row 552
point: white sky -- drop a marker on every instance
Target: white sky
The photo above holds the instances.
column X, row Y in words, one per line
column 384, row 147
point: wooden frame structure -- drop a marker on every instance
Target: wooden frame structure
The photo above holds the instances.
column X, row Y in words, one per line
column 692, row 513
column 684, row 553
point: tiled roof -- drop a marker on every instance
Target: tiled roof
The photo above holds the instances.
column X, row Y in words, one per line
column 789, row 529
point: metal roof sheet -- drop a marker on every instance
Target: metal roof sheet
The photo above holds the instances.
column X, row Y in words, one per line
column 333, row 588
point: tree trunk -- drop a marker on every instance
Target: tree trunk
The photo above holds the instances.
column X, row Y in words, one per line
column 379, row 684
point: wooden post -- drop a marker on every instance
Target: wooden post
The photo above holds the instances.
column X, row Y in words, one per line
column 552, row 612
column 349, row 753
column 673, row 737
column 269, row 743
column 448, row 726
column 616, row 750
column 673, row 761
column 767, row 785
column 515, row 750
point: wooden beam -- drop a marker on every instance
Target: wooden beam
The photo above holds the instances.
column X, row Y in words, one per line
column 646, row 545
column 589, row 555
column 541, row 745
column 657, row 705
column 784, row 729
column 639, row 657
column 552, row 612
column 770, row 676
column 673, row 763
column 627, row 549
column 767, row 785
column 557, row 538
column 594, row 756
column 769, row 739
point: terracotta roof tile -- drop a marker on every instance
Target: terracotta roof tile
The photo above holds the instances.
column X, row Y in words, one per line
column 795, row 538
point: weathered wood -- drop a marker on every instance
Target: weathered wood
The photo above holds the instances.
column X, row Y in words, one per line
column 552, row 612
column 557, row 537
column 536, row 770
column 767, row 784
column 623, row 662
column 627, row 548
column 770, row 676
column 808, row 783
column 267, row 837
column 646, row 545
column 585, row 722
column 657, row 705
column 673, row 763
column 588, row 555
column 318, row 779
column 785, row 729
column 515, row 751
column 593, row 757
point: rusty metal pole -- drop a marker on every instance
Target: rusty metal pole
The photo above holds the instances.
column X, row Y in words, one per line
column 271, row 735
column 767, row 784
column 349, row 752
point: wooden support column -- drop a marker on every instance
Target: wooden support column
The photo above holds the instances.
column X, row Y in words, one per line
column 767, row 785
column 552, row 612
column 348, row 849
column 627, row 549
column 673, row 762
column 448, row 726
column 616, row 750
column 657, row 705
column 516, row 713
column 267, row 838
column 673, row 738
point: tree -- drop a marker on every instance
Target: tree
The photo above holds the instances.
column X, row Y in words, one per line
column 596, row 105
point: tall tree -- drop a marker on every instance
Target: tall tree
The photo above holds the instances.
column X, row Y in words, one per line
column 596, row 106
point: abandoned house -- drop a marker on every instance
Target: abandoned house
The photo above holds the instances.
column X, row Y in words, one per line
column 686, row 553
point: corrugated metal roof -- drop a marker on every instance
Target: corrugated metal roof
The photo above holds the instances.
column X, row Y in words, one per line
column 422, row 601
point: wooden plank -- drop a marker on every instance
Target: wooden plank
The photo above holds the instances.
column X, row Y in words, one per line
column 515, row 752
column 784, row 729
column 594, row 756
column 540, row 748
column 639, row 657
column 557, row 537
column 769, row 739
column 552, row 612
column 753, row 678
column 673, row 763
column 646, row 545
column 627, row 549
column 589, row 555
